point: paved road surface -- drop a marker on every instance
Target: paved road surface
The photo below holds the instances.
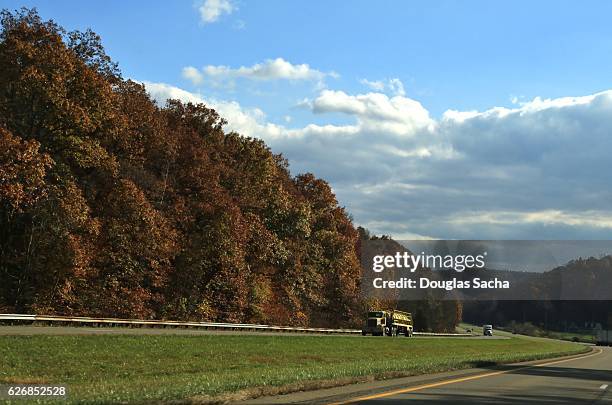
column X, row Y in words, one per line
column 584, row 380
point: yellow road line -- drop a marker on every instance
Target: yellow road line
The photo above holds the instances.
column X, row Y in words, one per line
column 565, row 360
column 454, row 381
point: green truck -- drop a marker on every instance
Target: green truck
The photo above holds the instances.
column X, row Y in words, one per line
column 388, row 322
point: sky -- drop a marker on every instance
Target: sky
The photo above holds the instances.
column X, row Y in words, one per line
column 429, row 119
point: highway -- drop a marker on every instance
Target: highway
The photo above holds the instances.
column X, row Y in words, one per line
column 577, row 380
column 26, row 324
column 28, row 330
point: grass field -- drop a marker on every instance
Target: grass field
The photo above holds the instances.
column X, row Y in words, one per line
column 144, row 368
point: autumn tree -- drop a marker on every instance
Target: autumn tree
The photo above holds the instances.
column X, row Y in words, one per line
column 113, row 205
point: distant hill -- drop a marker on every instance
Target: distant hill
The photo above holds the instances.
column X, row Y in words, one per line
column 576, row 295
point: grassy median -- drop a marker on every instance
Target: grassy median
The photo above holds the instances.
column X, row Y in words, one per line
column 144, row 368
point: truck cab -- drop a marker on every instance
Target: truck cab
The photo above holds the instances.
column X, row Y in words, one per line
column 487, row 330
column 376, row 323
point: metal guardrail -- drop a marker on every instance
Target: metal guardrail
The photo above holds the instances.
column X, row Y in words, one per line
column 80, row 320
column 443, row 334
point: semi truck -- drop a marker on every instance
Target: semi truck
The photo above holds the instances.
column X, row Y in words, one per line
column 604, row 338
column 487, row 330
column 388, row 322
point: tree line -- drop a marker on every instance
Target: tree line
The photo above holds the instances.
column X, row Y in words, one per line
column 114, row 206
column 575, row 296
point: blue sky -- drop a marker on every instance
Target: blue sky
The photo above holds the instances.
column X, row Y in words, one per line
column 450, row 54
column 394, row 102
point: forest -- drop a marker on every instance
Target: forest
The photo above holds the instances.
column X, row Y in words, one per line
column 114, row 206
column 575, row 296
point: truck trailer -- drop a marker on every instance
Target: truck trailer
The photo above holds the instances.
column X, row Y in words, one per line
column 388, row 322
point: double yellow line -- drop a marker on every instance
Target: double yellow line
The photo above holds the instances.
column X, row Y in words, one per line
column 457, row 380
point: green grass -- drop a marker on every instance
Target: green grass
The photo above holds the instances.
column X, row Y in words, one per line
column 144, row 368
column 528, row 329
column 572, row 336
column 532, row 330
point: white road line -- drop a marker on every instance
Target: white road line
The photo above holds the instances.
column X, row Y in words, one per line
column 603, row 386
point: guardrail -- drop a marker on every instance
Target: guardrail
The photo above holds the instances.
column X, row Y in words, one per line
column 81, row 321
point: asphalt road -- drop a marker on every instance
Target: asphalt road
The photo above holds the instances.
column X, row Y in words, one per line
column 586, row 380
column 578, row 380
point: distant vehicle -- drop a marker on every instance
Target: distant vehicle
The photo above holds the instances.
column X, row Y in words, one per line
column 487, row 330
column 604, row 338
column 388, row 322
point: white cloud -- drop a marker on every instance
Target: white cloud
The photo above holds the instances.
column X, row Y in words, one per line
column 377, row 85
column 270, row 69
column 538, row 170
column 459, row 116
column 595, row 219
column 394, row 86
column 192, row 74
column 160, row 92
column 525, row 107
column 245, row 121
column 397, row 87
column 399, row 115
column 211, row 10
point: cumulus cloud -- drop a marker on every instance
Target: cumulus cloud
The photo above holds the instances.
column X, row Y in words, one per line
column 243, row 120
column 192, row 74
column 399, row 115
column 212, row 10
column 161, row 92
column 270, row 69
column 537, row 170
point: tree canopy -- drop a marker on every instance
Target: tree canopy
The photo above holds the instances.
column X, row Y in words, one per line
column 111, row 205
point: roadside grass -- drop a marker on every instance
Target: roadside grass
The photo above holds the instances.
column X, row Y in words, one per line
column 572, row 336
column 528, row 329
column 124, row 368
